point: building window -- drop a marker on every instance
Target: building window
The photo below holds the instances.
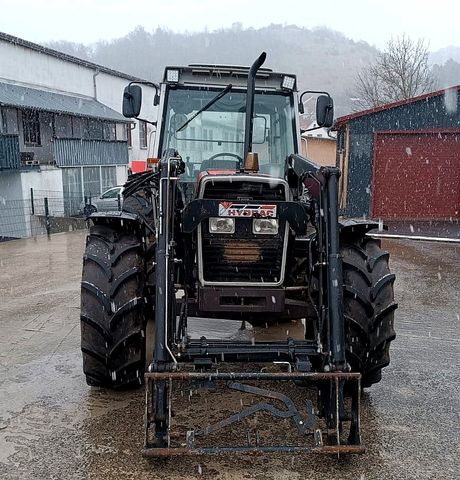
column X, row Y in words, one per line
column 142, row 134
column 121, row 133
column 207, row 140
column 109, row 132
column 2, row 122
column 77, row 127
column 10, row 121
column 91, row 181
column 95, row 129
column 63, row 126
column 108, row 178
column 73, row 195
column 129, row 137
column 80, row 182
column 192, row 135
column 229, row 138
column 31, row 127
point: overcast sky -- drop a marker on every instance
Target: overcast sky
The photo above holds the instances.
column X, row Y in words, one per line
column 374, row 21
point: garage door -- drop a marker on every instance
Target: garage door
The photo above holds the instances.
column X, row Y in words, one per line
column 416, row 176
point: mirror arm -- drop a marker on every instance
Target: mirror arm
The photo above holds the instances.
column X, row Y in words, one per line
column 156, row 98
column 329, row 130
column 313, row 91
column 146, row 121
column 310, row 129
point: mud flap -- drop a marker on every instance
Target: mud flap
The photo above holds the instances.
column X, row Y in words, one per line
column 272, row 416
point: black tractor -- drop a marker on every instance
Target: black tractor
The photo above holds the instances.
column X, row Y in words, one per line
column 231, row 222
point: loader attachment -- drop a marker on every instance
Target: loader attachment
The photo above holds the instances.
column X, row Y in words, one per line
column 265, row 413
column 264, row 409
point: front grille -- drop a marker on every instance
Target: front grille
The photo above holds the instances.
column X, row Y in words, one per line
column 244, row 190
column 242, row 256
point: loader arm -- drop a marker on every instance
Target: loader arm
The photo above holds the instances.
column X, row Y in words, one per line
column 326, row 215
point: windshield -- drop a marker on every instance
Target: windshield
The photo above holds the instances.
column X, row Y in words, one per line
column 214, row 139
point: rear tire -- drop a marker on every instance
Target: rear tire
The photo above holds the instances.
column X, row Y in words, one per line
column 112, row 309
column 368, row 301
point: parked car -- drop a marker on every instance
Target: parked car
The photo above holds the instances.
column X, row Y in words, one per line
column 109, row 200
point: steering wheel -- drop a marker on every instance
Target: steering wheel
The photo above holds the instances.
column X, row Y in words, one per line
column 225, row 154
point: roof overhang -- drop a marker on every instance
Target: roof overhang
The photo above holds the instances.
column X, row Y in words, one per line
column 30, row 98
column 387, row 106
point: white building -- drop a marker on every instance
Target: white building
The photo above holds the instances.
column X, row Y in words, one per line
column 319, row 144
column 61, row 130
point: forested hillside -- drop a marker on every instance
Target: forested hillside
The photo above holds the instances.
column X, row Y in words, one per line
column 322, row 58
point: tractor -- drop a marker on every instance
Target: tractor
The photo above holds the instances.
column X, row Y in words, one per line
column 232, row 223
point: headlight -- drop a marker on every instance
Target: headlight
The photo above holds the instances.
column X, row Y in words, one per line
column 268, row 226
column 221, row 225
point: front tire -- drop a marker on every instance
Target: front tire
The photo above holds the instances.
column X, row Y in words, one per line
column 368, row 301
column 112, row 309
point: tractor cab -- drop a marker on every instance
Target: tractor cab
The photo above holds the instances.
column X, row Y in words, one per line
column 203, row 116
column 213, row 138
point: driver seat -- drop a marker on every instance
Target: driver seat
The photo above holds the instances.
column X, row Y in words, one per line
column 219, row 164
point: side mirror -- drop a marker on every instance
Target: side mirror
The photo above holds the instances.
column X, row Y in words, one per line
column 132, row 101
column 324, row 111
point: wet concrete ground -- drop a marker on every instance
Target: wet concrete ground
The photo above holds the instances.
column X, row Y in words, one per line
column 52, row 426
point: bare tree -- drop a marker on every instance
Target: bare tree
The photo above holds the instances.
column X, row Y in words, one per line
column 401, row 71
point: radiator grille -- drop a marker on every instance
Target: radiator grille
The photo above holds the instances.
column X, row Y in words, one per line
column 242, row 256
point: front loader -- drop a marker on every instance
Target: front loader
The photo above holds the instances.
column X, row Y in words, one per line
column 233, row 223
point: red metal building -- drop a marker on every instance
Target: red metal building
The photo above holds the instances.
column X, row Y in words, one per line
column 402, row 160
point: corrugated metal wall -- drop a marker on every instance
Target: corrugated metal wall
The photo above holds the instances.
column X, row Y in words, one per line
column 76, row 152
column 433, row 113
column 9, row 152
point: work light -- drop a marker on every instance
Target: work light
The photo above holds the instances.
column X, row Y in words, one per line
column 288, row 83
column 172, row 75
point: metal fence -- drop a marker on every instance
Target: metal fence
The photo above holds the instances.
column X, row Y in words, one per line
column 44, row 212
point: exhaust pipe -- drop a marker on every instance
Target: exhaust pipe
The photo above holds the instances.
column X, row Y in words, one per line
column 250, row 104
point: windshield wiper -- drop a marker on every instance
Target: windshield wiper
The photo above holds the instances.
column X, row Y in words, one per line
column 209, row 104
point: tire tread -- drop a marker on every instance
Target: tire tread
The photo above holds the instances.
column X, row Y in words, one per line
column 368, row 308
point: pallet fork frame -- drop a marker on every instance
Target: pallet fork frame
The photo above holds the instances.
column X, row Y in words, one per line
column 306, row 426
